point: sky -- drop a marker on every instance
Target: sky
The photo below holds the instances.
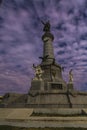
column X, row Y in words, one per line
column 21, row 44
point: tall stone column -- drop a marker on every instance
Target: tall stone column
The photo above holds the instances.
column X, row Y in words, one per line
column 48, row 53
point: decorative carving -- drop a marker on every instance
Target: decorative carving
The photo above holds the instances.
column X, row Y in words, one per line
column 38, row 72
column 53, row 75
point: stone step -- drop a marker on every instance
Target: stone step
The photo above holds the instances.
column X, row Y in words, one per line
column 51, row 122
column 17, row 113
column 4, row 112
column 84, row 111
column 60, row 111
column 25, row 113
column 20, row 114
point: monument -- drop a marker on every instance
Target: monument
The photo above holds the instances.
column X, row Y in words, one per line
column 48, row 83
column 48, row 88
column 52, row 72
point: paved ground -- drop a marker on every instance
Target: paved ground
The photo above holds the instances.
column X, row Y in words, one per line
column 47, row 123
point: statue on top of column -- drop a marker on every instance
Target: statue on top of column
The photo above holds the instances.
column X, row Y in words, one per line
column 46, row 26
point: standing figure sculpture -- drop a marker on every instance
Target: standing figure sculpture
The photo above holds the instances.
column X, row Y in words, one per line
column 38, row 72
column 46, row 26
column 70, row 76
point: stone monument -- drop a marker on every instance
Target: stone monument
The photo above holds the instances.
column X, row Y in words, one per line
column 51, row 79
column 52, row 72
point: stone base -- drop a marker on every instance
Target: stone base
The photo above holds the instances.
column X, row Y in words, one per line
column 70, row 86
column 57, row 99
column 37, row 85
column 46, row 99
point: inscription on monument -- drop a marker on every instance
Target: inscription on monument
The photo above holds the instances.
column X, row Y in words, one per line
column 56, row 86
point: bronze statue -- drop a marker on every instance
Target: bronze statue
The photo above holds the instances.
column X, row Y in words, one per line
column 46, row 26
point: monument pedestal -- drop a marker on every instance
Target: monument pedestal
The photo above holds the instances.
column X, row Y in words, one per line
column 37, row 85
column 70, row 86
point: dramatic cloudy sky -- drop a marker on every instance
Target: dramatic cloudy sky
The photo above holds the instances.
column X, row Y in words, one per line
column 21, row 44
